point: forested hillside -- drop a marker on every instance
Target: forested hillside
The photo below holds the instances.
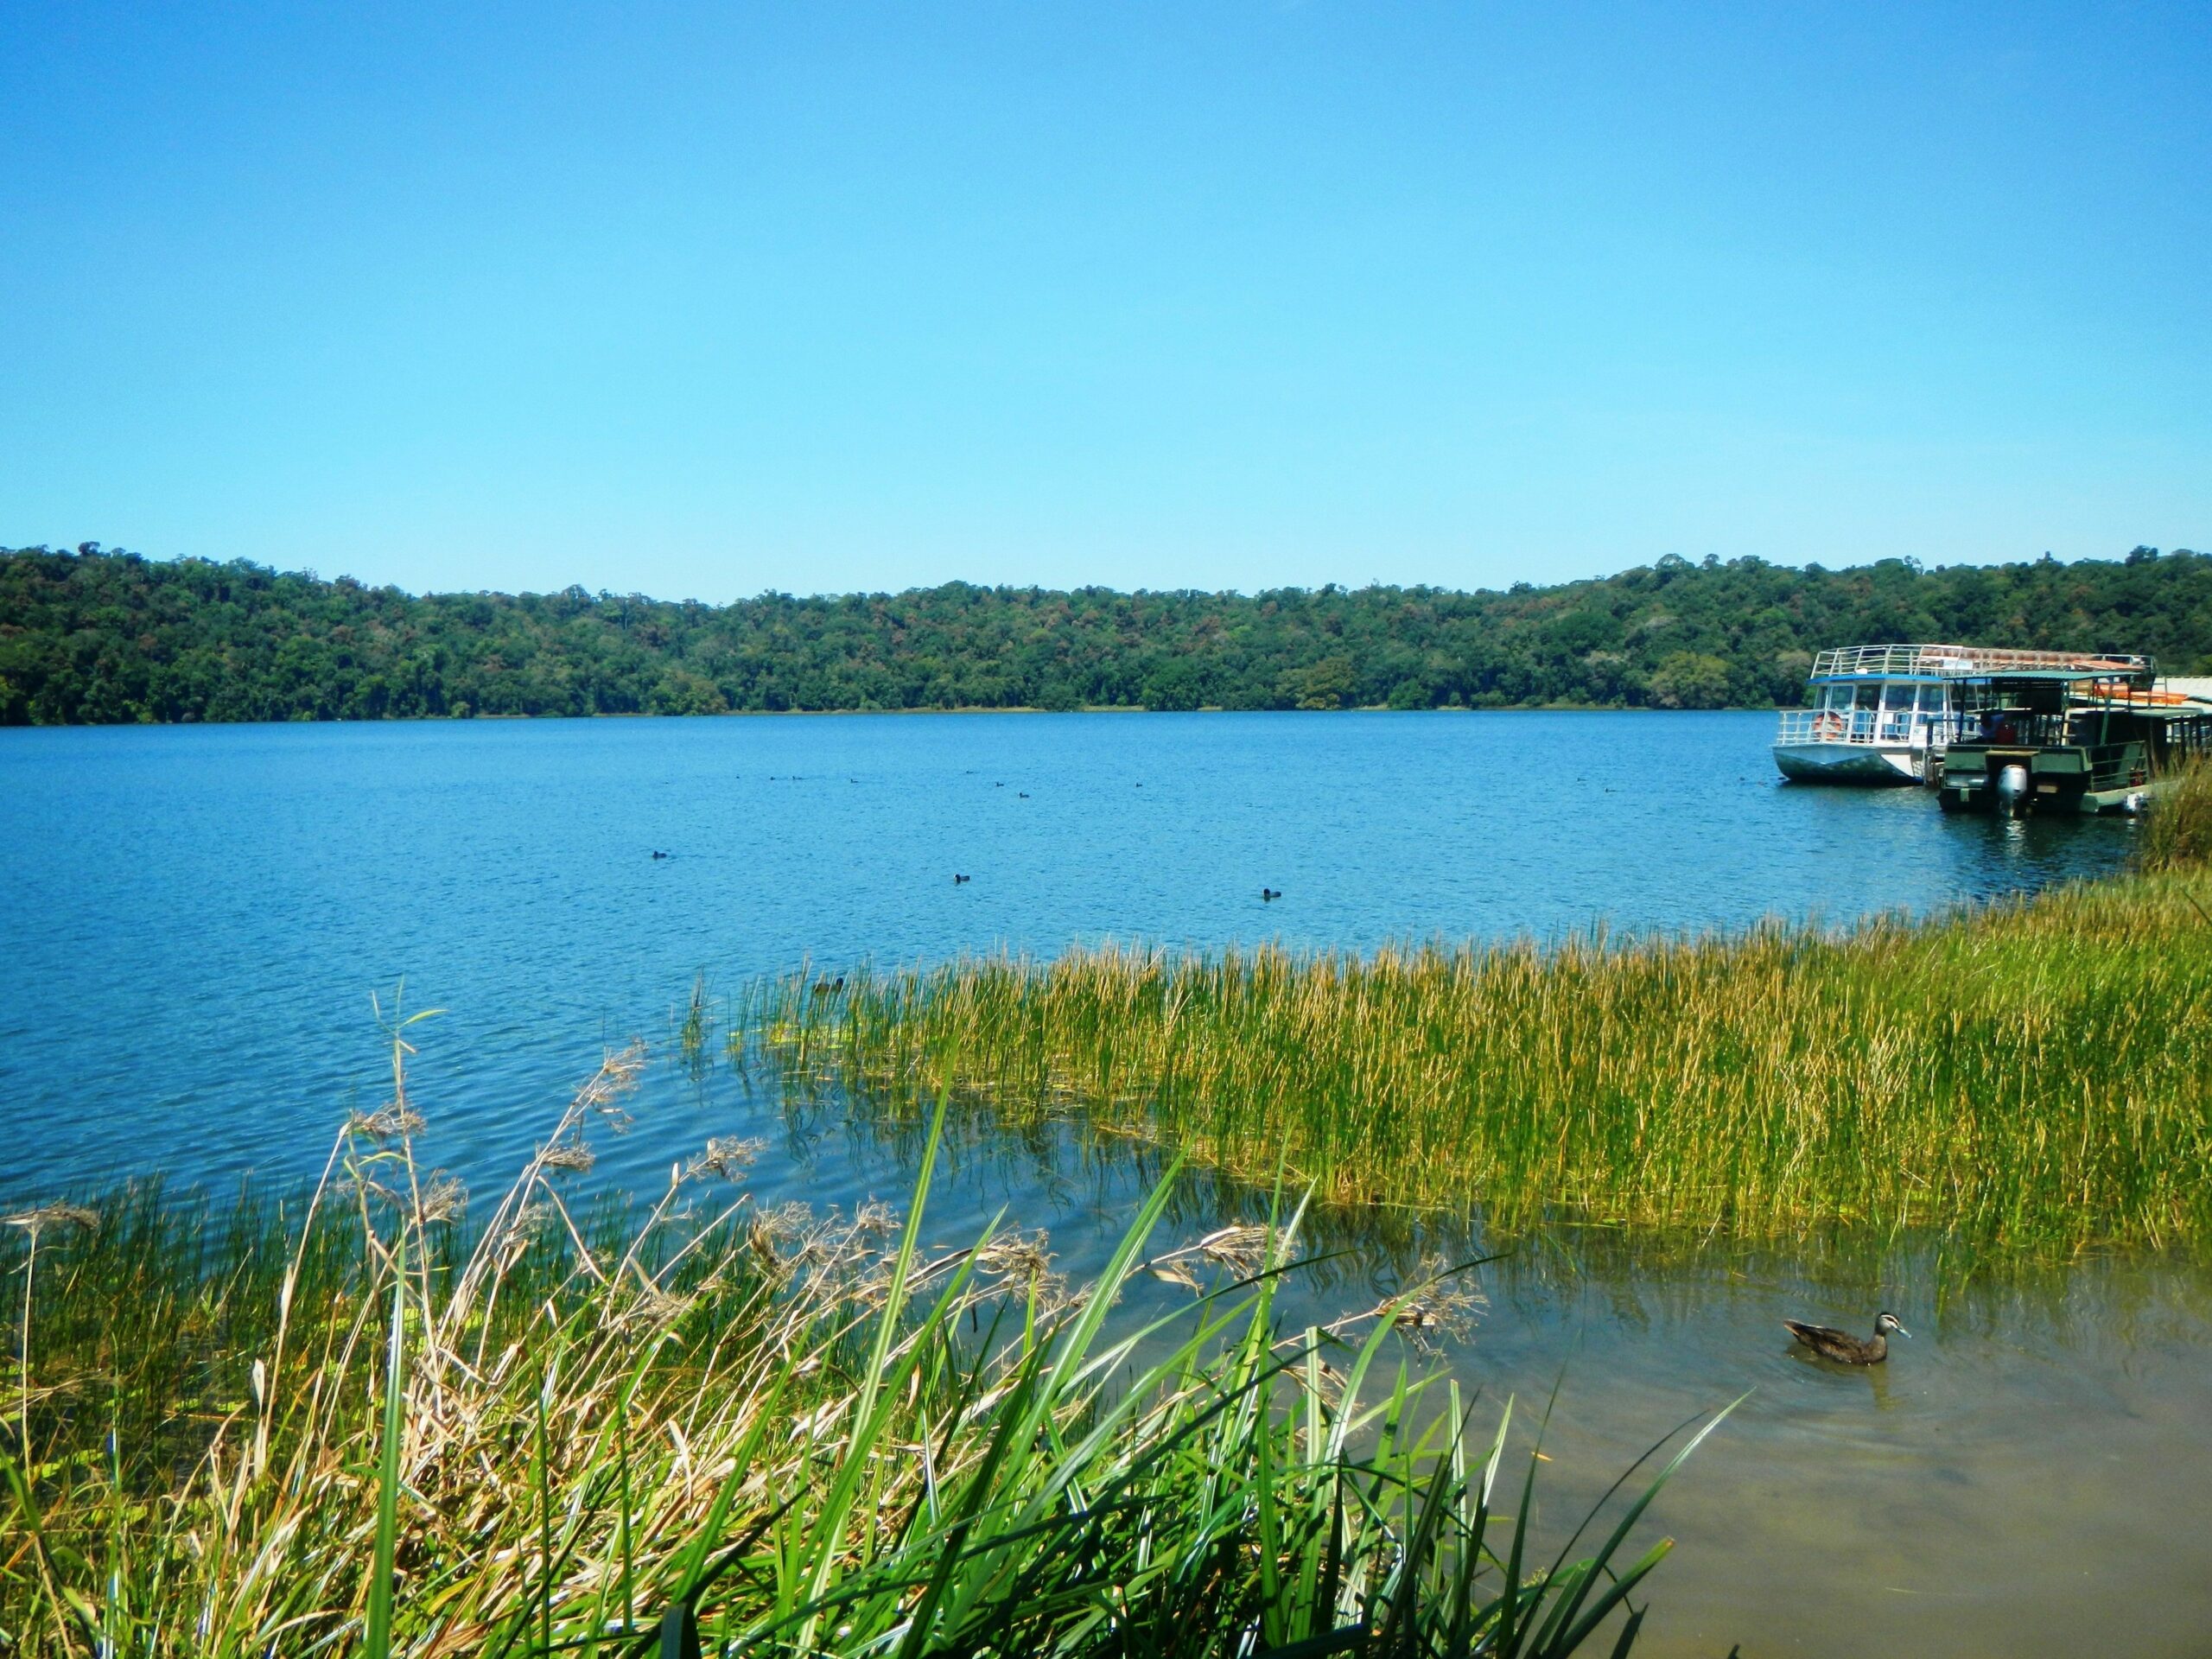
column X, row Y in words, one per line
column 96, row 637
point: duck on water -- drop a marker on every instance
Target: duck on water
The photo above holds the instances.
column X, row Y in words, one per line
column 1843, row 1348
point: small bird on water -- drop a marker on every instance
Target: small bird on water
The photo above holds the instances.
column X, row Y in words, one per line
column 1269, row 895
column 957, row 880
column 1843, row 1348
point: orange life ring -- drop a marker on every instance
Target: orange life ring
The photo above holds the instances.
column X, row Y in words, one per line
column 1827, row 727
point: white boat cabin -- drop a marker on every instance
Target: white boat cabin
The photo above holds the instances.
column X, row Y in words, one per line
column 1882, row 713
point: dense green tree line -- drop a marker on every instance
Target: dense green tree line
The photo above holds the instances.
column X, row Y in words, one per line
column 94, row 637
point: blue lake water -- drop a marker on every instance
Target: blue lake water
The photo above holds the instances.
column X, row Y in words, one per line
column 195, row 917
column 193, row 920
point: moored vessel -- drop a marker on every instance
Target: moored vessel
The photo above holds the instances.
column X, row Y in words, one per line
column 1884, row 714
column 2027, row 741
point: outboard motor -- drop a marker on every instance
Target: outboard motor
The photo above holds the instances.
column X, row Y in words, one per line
column 2013, row 789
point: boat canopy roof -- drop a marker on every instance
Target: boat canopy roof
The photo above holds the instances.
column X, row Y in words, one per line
column 2054, row 695
column 1939, row 662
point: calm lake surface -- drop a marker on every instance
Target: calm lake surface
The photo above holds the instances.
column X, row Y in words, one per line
column 194, row 919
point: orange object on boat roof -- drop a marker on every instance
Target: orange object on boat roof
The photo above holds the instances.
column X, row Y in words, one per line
column 2121, row 691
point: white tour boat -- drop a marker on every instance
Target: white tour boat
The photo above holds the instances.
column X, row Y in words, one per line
column 1879, row 712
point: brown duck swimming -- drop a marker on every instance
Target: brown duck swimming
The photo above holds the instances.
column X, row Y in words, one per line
column 1842, row 1346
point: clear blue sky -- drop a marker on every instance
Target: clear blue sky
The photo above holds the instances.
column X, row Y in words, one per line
column 700, row 300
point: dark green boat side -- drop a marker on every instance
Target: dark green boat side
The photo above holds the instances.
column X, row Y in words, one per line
column 2040, row 744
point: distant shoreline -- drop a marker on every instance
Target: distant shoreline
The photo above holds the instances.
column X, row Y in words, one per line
column 90, row 637
column 841, row 714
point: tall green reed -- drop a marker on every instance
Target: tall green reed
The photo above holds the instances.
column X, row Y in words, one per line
column 369, row 1425
column 2034, row 1075
column 2177, row 831
column 698, row 1018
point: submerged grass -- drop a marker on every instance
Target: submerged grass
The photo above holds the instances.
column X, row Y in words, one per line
column 2034, row 1075
column 364, row 1425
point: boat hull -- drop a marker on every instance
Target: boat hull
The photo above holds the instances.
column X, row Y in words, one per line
column 1847, row 763
column 2132, row 800
column 2057, row 782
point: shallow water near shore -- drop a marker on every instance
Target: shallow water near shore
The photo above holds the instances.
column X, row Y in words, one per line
column 197, row 918
column 2030, row 1471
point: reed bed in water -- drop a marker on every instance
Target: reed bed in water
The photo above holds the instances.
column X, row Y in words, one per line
column 2177, row 835
column 369, row 1426
column 2034, row 1074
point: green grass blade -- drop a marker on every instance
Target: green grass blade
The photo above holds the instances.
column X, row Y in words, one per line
column 376, row 1639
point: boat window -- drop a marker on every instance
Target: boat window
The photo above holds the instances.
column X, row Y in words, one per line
column 1839, row 697
column 1931, row 699
column 1869, row 695
column 1897, row 695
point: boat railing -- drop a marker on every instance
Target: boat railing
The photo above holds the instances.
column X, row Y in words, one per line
column 1868, row 726
column 2080, row 725
column 2007, row 729
column 1874, row 662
